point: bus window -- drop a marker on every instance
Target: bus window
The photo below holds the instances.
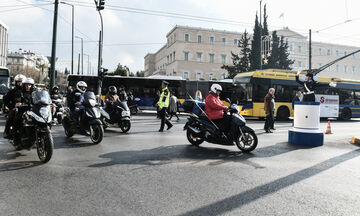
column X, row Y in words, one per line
column 242, row 93
column 346, row 97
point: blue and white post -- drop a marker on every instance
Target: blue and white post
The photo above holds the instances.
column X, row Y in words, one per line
column 306, row 125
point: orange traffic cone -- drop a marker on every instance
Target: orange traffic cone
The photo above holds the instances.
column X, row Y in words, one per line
column 328, row 128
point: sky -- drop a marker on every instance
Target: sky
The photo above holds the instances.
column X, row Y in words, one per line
column 131, row 30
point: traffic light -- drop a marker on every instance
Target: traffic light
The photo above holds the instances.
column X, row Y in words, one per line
column 101, row 5
column 103, row 73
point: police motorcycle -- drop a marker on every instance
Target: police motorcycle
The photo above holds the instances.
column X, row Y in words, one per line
column 35, row 127
column 119, row 113
column 57, row 110
column 89, row 123
column 200, row 129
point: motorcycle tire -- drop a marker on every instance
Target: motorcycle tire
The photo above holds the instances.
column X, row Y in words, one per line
column 125, row 126
column 134, row 110
column 16, row 142
column 45, row 147
column 66, row 125
column 96, row 133
column 244, row 145
column 196, row 141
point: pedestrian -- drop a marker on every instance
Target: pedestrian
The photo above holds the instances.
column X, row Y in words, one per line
column 156, row 99
column 298, row 97
column 163, row 104
column 173, row 106
column 269, row 107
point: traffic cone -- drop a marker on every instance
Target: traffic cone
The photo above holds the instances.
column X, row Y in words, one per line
column 328, row 128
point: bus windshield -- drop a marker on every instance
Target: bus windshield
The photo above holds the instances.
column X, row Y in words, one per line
column 4, row 84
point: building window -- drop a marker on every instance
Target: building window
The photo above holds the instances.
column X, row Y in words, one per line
column 211, row 40
column 319, row 64
column 337, row 68
column 199, row 56
column 174, row 56
column 170, row 57
column 186, row 56
column 345, row 68
column 353, row 69
column 198, row 76
column 223, row 41
column 328, row 52
column 167, row 59
column 319, row 51
column 299, row 63
column 299, row 49
column 186, row 37
column 223, row 59
column 199, row 38
column 291, row 47
column 211, row 76
column 223, row 76
column 353, row 55
column 337, row 52
column 329, row 68
column 174, row 73
column 236, row 42
column 186, row 75
column 211, row 58
column 345, row 53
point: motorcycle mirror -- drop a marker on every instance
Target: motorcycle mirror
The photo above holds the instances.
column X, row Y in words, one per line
column 137, row 99
column 228, row 100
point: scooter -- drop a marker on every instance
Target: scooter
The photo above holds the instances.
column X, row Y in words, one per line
column 118, row 113
column 200, row 129
column 58, row 110
column 35, row 127
column 89, row 123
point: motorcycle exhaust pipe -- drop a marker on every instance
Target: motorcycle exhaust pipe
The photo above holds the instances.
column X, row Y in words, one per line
column 195, row 130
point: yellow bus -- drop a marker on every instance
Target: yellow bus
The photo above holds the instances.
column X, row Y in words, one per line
column 250, row 89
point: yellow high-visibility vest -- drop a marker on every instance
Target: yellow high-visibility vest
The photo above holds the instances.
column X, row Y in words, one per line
column 164, row 98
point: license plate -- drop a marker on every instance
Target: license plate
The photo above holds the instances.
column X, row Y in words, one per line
column 125, row 113
column 1, row 96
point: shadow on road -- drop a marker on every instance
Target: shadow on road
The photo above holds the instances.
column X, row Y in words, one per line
column 188, row 153
column 223, row 206
column 12, row 166
column 64, row 142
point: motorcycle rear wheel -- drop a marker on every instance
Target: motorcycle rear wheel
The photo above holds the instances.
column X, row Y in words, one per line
column 125, row 126
column 196, row 141
column 248, row 142
column 45, row 147
column 96, row 133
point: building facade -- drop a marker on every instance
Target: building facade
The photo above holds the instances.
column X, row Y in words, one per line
column 198, row 53
column 3, row 44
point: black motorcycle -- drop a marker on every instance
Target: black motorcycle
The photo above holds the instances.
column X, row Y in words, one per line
column 200, row 129
column 57, row 110
column 118, row 113
column 89, row 123
column 34, row 129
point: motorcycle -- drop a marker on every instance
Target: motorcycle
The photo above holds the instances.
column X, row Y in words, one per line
column 57, row 110
column 118, row 113
column 200, row 129
column 35, row 127
column 89, row 123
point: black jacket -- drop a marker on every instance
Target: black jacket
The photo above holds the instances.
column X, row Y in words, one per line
column 12, row 97
column 73, row 98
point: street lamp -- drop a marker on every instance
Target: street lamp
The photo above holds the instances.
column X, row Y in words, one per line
column 82, row 54
column 265, row 48
column 72, row 36
column 88, row 70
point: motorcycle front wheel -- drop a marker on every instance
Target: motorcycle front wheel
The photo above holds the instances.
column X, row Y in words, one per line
column 45, row 147
column 125, row 125
column 248, row 142
column 96, row 133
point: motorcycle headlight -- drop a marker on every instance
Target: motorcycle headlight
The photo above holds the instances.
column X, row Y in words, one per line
column 92, row 102
column 44, row 112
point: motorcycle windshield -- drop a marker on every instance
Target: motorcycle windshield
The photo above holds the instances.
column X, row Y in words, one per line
column 124, row 105
column 41, row 97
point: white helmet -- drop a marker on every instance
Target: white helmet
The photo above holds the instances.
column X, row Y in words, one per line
column 19, row 78
column 215, row 87
column 81, row 84
column 29, row 81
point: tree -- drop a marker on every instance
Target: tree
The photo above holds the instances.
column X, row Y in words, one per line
column 241, row 62
column 284, row 60
column 140, row 73
column 121, row 70
column 255, row 46
column 274, row 58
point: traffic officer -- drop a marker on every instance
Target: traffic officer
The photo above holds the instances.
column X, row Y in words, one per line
column 163, row 104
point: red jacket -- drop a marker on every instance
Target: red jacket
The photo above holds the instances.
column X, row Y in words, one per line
column 214, row 107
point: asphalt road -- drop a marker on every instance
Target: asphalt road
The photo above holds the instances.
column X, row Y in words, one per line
column 146, row 172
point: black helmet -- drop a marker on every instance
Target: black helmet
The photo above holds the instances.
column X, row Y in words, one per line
column 112, row 90
column 55, row 87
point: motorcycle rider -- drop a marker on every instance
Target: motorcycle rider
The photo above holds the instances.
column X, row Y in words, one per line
column 75, row 100
column 111, row 97
column 10, row 100
column 122, row 93
column 55, row 94
column 214, row 108
column 26, row 101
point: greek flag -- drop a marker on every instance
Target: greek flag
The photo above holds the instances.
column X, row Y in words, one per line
column 281, row 15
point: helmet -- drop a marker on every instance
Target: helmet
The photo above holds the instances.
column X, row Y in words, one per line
column 215, row 87
column 19, row 78
column 29, row 81
column 112, row 90
column 55, row 87
column 81, row 84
